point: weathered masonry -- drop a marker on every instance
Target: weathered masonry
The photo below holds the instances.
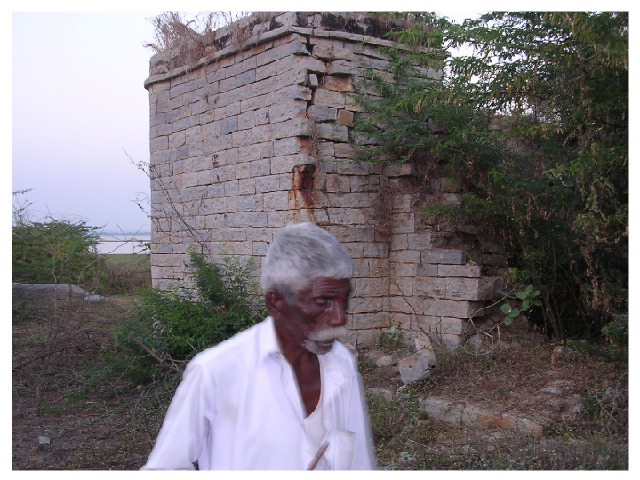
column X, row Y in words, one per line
column 255, row 135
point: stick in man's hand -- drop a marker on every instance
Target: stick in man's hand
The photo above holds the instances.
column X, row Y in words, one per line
column 318, row 456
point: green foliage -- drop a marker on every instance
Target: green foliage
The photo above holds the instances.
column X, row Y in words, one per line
column 392, row 339
column 527, row 300
column 170, row 327
column 615, row 348
column 52, row 251
column 533, row 128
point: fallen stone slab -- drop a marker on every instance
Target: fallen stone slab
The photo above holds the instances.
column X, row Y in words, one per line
column 469, row 414
column 59, row 291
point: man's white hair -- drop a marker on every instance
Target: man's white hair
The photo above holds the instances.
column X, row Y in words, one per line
column 299, row 254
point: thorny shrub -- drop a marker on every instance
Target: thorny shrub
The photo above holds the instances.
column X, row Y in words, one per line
column 170, row 327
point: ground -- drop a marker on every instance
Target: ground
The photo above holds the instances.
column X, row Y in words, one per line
column 71, row 413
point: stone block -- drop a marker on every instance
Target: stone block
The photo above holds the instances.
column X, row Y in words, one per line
column 287, row 110
column 378, row 267
column 255, row 152
column 345, row 118
column 322, row 113
column 454, row 288
column 286, row 146
column 285, row 164
column 314, row 65
column 337, row 83
column 367, row 304
column 328, row 50
column 241, row 138
column 400, row 269
column 459, row 271
column 233, row 109
column 483, row 288
column 418, row 241
column 371, row 287
column 369, row 320
column 346, row 216
column 448, row 257
column 293, row 92
column 376, row 250
column 448, row 308
column 260, row 168
column 345, row 150
column 228, row 125
column 329, row 98
column 159, row 143
column 337, row 184
column 407, row 256
column 442, row 325
column 291, row 128
column 342, row 67
column 443, row 410
column 270, row 183
column 262, row 133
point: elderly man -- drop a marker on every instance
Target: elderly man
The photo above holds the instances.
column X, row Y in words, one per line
column 283, row 394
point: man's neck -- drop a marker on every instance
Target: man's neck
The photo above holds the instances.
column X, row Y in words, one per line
column 305, row 366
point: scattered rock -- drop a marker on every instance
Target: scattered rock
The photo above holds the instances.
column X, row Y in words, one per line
column 386, row 361
column 416, row 366
column 44, row 440
column 561, row 352
column 404, row 457
column 559, row 387
column 468, row 414
column 94, row 298
column 381, row 392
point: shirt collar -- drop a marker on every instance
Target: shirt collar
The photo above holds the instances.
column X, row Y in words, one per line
column 267, row 344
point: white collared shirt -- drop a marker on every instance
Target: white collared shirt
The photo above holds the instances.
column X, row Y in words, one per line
column 238, row 408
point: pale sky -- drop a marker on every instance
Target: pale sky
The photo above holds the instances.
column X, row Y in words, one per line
column 78, row 104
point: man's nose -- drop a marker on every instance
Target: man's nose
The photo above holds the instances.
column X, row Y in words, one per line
column 338, row 316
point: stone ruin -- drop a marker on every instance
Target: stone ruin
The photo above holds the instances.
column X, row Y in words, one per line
column 255, row 135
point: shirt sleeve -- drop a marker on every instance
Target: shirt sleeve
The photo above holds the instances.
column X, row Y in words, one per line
column 364, row 457
column 186, row 424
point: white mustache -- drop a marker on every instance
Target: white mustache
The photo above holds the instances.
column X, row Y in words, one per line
column 328, row 334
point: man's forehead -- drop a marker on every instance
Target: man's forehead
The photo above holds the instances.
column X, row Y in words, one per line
column 328, row 285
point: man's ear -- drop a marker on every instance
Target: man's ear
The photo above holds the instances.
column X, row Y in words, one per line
column 275, row 302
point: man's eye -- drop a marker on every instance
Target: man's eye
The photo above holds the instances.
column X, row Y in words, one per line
column 322, row 302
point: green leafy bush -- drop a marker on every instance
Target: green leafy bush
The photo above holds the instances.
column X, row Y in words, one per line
column 543, row 175
column 170, row 327
column 53, row 251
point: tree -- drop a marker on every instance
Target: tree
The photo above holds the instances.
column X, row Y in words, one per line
column 533, row 125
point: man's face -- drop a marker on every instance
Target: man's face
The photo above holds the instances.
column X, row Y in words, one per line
column 318, row 314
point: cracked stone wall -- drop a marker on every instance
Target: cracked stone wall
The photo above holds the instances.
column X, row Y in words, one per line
column 255, row 135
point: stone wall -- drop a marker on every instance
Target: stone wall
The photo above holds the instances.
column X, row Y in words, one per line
column 255, row 135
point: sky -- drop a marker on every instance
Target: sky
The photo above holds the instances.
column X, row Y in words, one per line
column 80, row 114
column 80, row 110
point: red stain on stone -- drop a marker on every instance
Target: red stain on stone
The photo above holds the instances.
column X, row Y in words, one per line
column 302, row 187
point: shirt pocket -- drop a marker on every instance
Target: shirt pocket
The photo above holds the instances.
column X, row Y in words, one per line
column 339, row 453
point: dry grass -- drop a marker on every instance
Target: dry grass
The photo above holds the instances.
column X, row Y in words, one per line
column 596, row 437
column 63, row 389
column 192, row 39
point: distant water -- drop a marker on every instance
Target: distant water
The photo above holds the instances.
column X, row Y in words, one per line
column 127, row 243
